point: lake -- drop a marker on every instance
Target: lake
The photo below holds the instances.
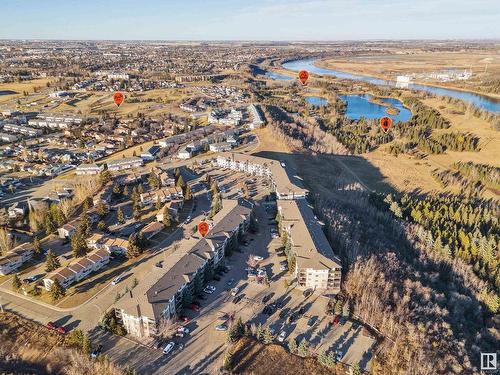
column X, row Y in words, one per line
column 481, row 101
column 316, row 100
column 277, row 76
column 360, row 106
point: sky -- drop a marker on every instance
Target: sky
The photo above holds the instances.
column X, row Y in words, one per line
column 308, row 20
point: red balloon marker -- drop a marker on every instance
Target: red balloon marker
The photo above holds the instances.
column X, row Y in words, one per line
column 118, row 98
column 203, row 228
column 303, row 76
column 385, row 123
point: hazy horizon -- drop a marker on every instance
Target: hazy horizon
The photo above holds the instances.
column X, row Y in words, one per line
column 263, row 20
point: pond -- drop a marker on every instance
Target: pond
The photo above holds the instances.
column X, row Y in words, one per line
column 277, row 76
column 360, row 106
column 316, row 100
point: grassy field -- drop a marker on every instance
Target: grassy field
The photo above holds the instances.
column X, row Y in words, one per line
column 20, row 87
column 390, row 66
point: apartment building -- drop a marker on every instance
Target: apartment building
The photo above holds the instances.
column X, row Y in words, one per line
column 159, row 295
column 317, row 267
column 19, row 129
column 125, row 163
column 79, row 270
column 285, row 184
column 89, row 169
column 15, row 258
column 257, row 120
column 58, row 121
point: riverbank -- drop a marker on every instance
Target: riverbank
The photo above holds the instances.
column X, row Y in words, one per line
column 327, row 64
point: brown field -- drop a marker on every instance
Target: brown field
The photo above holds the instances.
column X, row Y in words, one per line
column 485, row 66
column 380, row 171
column 19, row 87
column 251, row 357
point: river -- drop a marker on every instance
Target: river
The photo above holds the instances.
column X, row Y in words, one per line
column 481, row 101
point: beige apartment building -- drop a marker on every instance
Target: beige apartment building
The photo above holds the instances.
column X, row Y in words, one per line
column 317, row 267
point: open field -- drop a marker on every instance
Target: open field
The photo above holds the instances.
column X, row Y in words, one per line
column 485, row 66
column 20, row 87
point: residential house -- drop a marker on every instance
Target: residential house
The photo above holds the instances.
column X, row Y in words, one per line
column 78, row 270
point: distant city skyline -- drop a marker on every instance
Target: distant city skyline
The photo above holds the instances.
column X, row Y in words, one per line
column 266, row 20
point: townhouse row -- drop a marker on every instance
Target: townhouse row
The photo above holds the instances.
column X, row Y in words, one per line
column 158, row 297
column 79, row 270
column 15, row 258
column 165, row 194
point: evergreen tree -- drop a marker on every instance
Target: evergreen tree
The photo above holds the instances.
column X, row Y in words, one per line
column 259, row 334
column 119, row 215
column 37, row 246
column 86, row 345
column 78, row 245
column 166, row 217
column 268, row 337
column 292, row 346
column 16, row 282
column 180, row 182
column 188, row 195
column 56, row 290
column 303, row 350
column 51, row 261
column 355, row 369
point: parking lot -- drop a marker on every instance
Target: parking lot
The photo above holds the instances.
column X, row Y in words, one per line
column 201, row 350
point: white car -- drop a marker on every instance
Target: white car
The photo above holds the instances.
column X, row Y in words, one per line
column 281, row 336
column 208, row 291
column 211, row 287
column 117, row 280
column 339, row 356
column 257, row 258
column 221, row 327
column 183, row 330
column 235, row 291
column 169, row 347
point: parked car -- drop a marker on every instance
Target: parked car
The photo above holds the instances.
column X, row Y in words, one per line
column 207, row 290
column 216, row 278
column 221, row 327
column 307, row 293
column 339, row 356
column 281, row 336
column 230, row 282
column 311, row 321
column 235, row 291
column 183, row 330
column 195, row 307
column 336, row 320
column 52, row 325
column 169, row 347
column 31, row 279
column 117, row 279
column 97, row 352
column 257, row 258
column 184, row 319
column 159, row 344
